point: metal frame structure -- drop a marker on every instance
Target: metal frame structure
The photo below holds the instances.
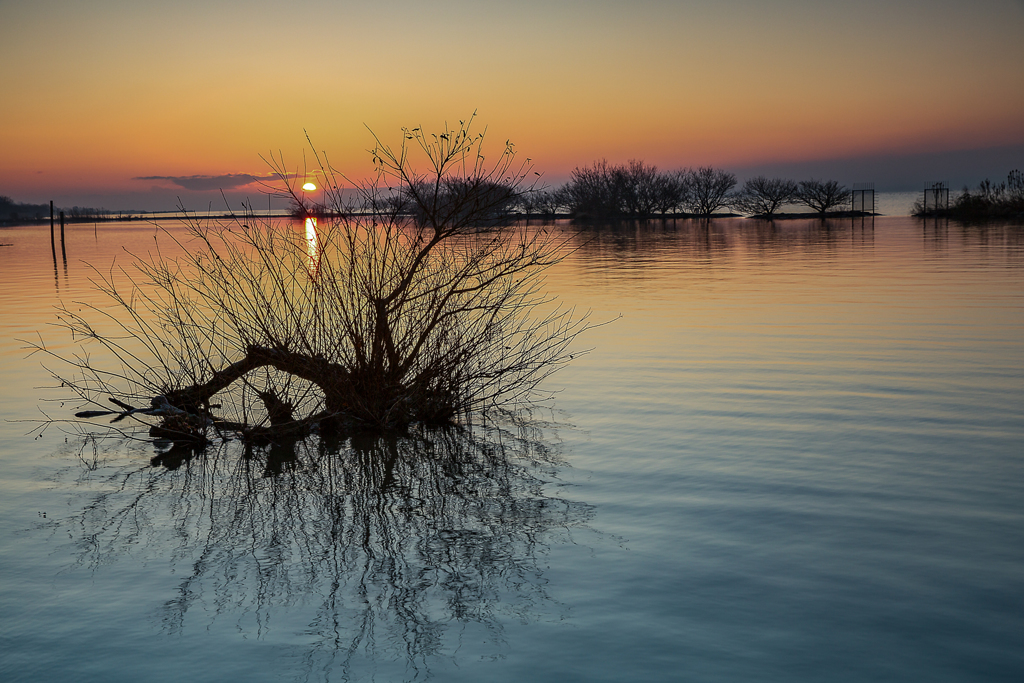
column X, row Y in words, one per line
column 859, row 197
column 936, row 197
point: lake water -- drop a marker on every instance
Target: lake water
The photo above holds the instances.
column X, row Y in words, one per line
column 798, row 455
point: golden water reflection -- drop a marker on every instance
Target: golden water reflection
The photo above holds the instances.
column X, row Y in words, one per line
column 312, row 247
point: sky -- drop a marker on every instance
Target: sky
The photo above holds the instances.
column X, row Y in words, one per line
column 140, row 104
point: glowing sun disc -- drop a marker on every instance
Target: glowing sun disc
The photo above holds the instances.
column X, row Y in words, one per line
column 309, row 187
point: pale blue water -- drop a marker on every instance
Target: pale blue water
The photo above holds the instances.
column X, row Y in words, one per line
column 797, row 456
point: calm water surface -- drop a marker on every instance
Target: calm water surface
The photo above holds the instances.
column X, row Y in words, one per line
column 798, row 455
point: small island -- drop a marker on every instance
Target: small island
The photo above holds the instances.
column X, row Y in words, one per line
column 990, row 201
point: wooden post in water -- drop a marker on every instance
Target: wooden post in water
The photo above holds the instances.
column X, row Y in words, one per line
column 53, row 251
column 63, row 253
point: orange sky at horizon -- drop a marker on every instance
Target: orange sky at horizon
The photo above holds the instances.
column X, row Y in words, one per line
column 97, row 95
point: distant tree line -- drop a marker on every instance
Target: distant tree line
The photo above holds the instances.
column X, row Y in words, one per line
column 12, row 211
column 15, row 211
column 638, row 190
column 84, row 213
column 989, row 200
column 456, row 199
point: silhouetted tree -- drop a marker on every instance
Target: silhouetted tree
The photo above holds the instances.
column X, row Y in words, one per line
column 375, row 320
column 553, row 202
column 529, row 203
column 763, row 196
column 707, row 190
column 822, row 195
column 546, row 202
column 455, row 200
column 638, row 182
column 11, row 210
column 670, row 191
column 634, row 190
column 593, row 192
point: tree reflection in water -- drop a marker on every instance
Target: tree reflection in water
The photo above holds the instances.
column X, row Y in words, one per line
column 401, row 543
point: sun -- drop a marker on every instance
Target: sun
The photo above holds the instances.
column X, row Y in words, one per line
column 309, row 187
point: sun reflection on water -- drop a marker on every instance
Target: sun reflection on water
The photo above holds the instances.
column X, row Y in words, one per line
column 312, row 246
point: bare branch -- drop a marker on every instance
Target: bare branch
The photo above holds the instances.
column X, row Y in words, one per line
column 424, row 305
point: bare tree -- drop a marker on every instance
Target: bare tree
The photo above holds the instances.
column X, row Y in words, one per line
column 592, row 191
column 763, row 196
column 377, row 319
column 460, row 200
column 670, row 191
column 707, row 190
column 634, row 189
column 822, row 195
column 638, row 183
column 553, row 201
column 529, row 203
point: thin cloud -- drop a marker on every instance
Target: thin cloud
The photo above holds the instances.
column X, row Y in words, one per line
column 202, row 183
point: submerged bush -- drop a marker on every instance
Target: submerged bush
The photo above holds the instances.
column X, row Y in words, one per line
column 374, row 319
